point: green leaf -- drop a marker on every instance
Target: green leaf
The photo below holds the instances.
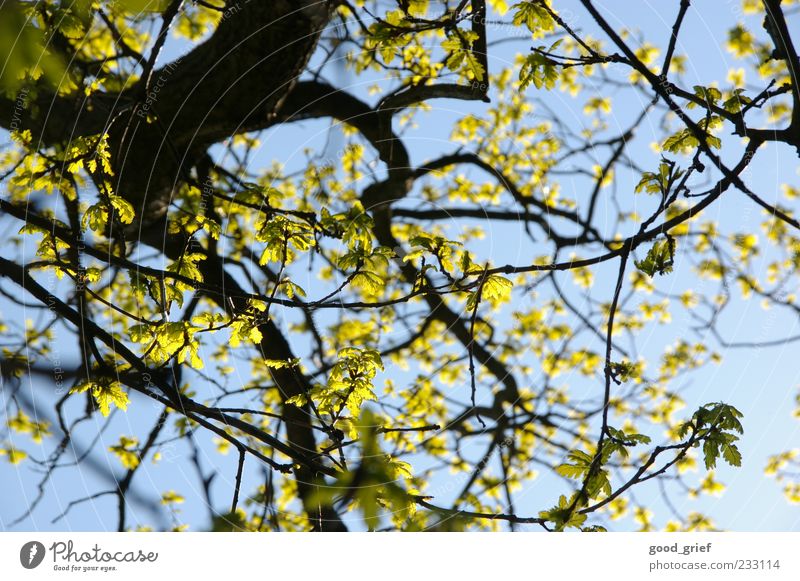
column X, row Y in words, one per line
column 681, row 142
column 497, row 287
column 186, row 265
column 714, row 422
column 127, row 451
column 571, row 471
column 291, row 289
column 533, row 15
column 106, row 393
column 171, row 497
column 561, row 516
column 96, row 217
column 659, row 259
column 711, row 95
column 631, row 439
column 124, row 209
column 368, row 281
column 731, row 454
column 710, row 453
column 298, row 400
column 14, row 455
column 658, row 182
column 111, row 394
column 26, row 51
column 232, row 522
column 281, row 363
column 143, row 333
column 735, row 102
column 539, row 70
column 685, row 141
column 581, row 462
column 144, row 6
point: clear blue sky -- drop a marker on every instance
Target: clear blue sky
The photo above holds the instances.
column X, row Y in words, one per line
column 762, row 384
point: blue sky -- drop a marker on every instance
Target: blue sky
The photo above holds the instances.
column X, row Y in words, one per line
column 761, row 383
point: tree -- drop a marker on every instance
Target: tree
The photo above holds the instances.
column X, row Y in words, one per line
column 338, row 324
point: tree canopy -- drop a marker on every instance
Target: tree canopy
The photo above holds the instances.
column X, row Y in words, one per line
column 386, row 264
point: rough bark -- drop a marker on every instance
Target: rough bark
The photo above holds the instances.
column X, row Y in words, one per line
column 245, row 69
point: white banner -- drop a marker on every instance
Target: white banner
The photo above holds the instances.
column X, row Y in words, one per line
column 398, row 556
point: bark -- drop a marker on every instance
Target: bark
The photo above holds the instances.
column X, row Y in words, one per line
column 246, row 69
